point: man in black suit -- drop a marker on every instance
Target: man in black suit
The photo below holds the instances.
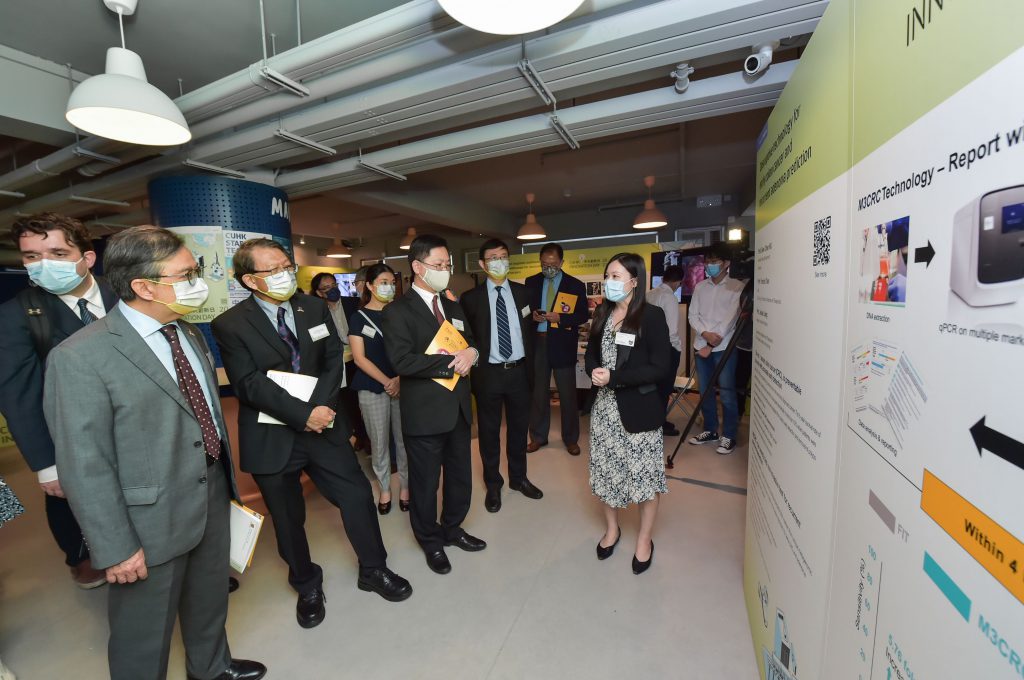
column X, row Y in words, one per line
column 64, row 298
column 498, row 312
column 435, row 420
column 276, row 330
column 559, row 304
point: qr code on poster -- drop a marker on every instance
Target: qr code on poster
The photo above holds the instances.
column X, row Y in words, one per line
column 822, row 241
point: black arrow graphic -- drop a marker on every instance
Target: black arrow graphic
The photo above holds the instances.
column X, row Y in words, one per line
column 1007, row 448
column 924, row 254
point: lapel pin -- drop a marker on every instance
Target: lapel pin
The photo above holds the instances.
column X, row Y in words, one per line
column 299, row 309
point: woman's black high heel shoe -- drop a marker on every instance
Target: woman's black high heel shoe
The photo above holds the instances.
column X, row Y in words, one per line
column 384, row 508
column 604, row 553
column 403, row 505
column 640, row 567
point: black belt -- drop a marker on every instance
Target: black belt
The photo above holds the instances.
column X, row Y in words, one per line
column 507, row 364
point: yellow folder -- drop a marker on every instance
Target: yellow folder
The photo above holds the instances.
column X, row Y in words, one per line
column 450, row 342
column 565, row 303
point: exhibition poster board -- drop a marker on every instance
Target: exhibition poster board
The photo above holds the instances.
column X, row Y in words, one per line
column 918, row 246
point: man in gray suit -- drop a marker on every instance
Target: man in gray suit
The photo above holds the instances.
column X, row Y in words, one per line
column 143, row 457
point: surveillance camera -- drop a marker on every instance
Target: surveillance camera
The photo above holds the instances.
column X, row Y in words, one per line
column 759, row 61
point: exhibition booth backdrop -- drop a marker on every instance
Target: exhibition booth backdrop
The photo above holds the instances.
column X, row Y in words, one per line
column 884, row 512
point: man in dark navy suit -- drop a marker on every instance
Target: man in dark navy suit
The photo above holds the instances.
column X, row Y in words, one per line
column 559, row 304
column 64, row 298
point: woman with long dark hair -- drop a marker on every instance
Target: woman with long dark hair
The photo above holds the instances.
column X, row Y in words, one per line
column 627, row 354
column 376, row 385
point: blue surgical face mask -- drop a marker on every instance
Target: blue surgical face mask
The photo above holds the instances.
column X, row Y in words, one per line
column 55, row 276
column 712, row 270
column 333, row 295
column 615, row 290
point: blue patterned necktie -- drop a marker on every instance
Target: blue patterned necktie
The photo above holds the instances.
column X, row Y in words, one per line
column 83, row 311
column 504, row 334
column 289, row 338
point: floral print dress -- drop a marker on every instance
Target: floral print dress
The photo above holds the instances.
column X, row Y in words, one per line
column 9, row 505
column 625, row 467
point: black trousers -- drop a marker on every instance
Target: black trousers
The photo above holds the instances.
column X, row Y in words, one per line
column 428, row 456
column 336, row 473
column 66, row 531
column 665, row 385
column 192, row 588
column 496, row 387
column 540, row 408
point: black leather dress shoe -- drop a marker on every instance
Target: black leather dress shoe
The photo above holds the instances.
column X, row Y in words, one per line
column 468, row 543
column 240, row 669
column 310, row 610
column 573, row 449
column 640, row 567
column 492, row 502
column 385, row 583
column 527, row 488
column 604, row 553
column 232, row 584
column 438, row 562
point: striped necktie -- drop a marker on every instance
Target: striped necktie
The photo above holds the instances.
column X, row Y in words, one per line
column 504, row 333
column 83, row 311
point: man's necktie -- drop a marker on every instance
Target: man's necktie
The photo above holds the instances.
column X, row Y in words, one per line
column 550, row 302
column 193, row 391
column 437, row 312
column 504, row 334
column 83, row 311
column 289, row 338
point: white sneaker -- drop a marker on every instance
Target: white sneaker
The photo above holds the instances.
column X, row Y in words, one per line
column 705, row 437
column 726, row 446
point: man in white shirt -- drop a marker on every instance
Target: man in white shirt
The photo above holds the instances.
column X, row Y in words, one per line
column 664, row 296
column 64, row 298
column 713, row 313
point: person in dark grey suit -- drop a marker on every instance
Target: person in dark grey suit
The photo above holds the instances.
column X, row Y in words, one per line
column 498, row 311
column 435, row 420
column 64, row 298
column 276, row 329
column 132, row 404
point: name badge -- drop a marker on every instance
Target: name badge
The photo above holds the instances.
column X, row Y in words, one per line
column 459, row 326
column 369, row 331
column 318, row 332
column 627, row 339
column 525, row 311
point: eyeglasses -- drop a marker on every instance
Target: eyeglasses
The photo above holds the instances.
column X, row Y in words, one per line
column 444, row 266
column 496, row 258
column 191, row 275
column 277, row 270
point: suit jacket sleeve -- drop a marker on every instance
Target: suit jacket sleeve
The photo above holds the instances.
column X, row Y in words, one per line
column 21, row 388
column 580, row 314
column 251, row 385
column 80, row 416
column 407, row 360
column 328, row 385
column 659, row 362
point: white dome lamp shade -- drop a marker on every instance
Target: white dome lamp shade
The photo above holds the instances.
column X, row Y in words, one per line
column 503, row 17
column 120, row 104
column 650, row 217
column 531, row 229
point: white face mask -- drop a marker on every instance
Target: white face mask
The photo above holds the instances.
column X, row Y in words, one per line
column 437, row 280
column 498, row 268
column 55, row 276
column 280, row 286
column 187, row 297
column 384, row 292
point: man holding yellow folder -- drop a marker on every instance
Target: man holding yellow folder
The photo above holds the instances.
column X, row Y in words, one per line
column 436, row 415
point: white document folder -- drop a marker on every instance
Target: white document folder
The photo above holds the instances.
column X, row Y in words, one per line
column 245, row 529
column 298, row 385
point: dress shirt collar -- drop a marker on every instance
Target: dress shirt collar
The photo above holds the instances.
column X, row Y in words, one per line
column 428, row 298
column 271, row 309
column 144, row 324
column 492, row 286
column 92, row 296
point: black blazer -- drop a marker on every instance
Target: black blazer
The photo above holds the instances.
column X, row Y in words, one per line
column 637, row 372
column 249, row 347
column 477, row 307
column 409, row 327
column 562, row 341
column 22, row 371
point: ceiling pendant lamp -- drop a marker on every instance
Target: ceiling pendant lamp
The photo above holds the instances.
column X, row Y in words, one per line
column 650, row 217
column 339, row 250
column 509, row 18
column 410, row 236
column 531, row 229
column 120, row 103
